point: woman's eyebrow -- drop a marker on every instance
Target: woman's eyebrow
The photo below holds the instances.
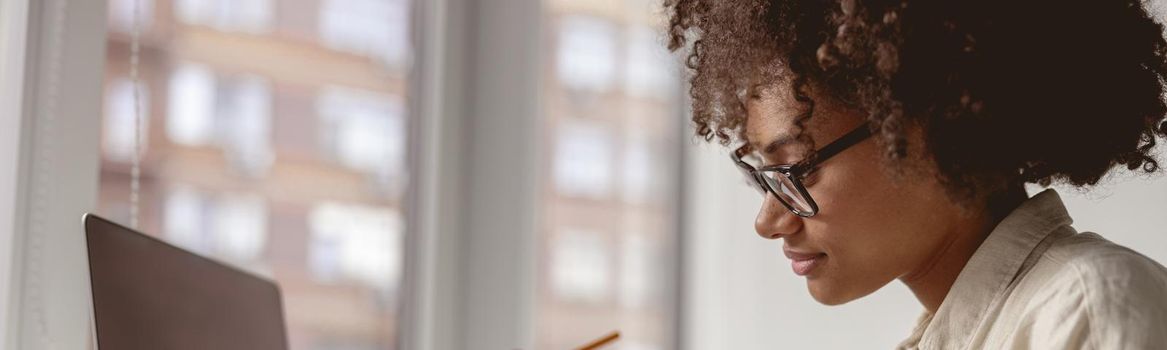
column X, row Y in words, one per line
column 777, row 142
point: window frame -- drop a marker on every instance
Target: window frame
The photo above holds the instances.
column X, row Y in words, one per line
column 53, row 70
column 473, row 290
column 463, row 289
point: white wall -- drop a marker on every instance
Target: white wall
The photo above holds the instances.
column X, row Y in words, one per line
column 1128, row 209
column 741, row 294
column 12, row 22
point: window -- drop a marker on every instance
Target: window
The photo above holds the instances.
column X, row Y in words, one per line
column 243, row 109
column 185, row 220
column 232, row 225
column 638, row 170
column 609, row 216
column 121, row 14
column 581, row 266
column 246, row 16
column 375, row 28
column 118, row 126
column 240, row 227
column 298, row 177
column 190, row 120
column 583, row 160
column 232, row 113
column 364, row 131
column 645, row 76
column 636, row 281
column 586, row 57
column 356, row 242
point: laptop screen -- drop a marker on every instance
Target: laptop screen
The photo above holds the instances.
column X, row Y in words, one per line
column 150, row 295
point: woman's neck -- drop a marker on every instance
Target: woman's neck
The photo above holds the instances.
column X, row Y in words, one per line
column 932, row 281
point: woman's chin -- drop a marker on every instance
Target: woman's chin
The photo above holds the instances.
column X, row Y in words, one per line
column 831, row 292
column 829, row 299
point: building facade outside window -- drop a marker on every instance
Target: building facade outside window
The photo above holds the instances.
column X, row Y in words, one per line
column 609, row 222
column 274, row 141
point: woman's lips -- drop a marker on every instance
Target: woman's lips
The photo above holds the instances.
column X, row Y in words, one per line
column 804, row 263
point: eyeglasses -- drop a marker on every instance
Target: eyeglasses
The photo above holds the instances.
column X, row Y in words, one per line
column 785, row 181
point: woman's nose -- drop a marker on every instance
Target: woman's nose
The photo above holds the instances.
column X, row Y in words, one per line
column 775, row 220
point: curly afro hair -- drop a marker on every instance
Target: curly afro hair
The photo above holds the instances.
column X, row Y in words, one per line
column 1005, row 92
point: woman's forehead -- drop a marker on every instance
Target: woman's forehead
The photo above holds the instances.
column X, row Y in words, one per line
column 771, row 114
column 774, row 116
column 776, row 119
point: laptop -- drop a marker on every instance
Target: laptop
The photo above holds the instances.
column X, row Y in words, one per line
column 148, row 294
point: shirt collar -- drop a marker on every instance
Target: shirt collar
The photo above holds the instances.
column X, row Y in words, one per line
column 988, row 275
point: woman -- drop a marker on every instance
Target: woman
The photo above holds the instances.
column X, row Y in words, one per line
column 893, row 140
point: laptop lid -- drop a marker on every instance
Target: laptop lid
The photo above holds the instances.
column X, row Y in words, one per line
column 148, row 294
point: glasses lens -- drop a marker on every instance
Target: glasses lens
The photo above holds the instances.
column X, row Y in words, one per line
column 787, row 191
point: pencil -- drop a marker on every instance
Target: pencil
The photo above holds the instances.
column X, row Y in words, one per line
column 596, row 344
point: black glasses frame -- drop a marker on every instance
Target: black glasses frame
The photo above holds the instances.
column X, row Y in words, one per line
column 796, row 172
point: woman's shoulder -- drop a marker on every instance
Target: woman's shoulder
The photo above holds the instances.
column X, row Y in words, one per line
column 1099, row 263
column 1109, row 294
column 1089, row 267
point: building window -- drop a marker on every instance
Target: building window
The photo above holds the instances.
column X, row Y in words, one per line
column 364, row 131
column 243, row 110
column 637, row 282
column 232, row 113
column 325, row 225
column 583, row 159
column 357, row 243
column 191, row 120
column 581, row 266
column 638, row 169
column 240, row 227
column 228, row 225
column 374, row 28
column 586, row 57
column 118, row 127
column 645, row 75
column 121, row 14
column 185, row 218
column 613, row 108
column 246, row 16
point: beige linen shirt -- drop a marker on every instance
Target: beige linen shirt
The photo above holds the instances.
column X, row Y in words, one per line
column 1036, row 283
